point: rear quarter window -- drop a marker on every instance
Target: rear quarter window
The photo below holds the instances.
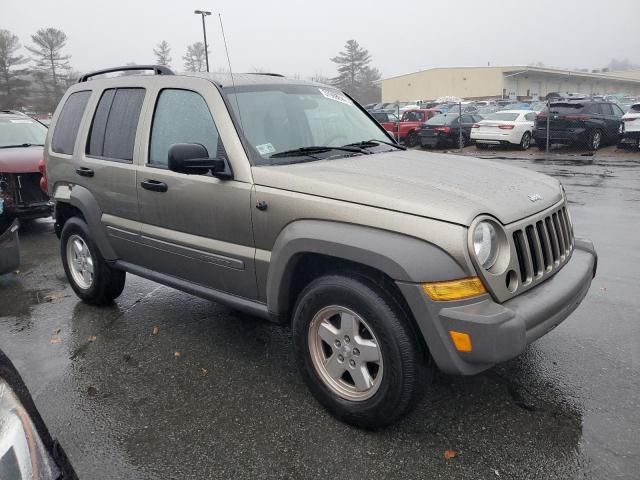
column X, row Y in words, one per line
column 68, row 124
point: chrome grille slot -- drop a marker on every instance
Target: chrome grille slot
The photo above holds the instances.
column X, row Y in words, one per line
column 546, row 248
column 561, row 242
column 536, row 250
column 555, row 252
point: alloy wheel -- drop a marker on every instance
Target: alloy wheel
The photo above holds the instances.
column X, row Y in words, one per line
column 345, row 353
column 80, row 261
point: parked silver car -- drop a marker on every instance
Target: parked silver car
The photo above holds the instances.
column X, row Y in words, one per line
column 285, row 199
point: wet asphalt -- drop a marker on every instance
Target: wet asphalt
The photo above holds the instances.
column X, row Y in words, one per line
column 216, row 394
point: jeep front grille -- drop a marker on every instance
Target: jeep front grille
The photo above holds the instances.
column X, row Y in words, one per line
column 543, row 246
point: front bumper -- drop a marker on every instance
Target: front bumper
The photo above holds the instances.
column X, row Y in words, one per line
column 500, row 332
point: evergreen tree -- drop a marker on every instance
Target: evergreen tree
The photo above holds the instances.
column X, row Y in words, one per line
column 49, row 60
column 163, row 54
column 13, row 87
column 355, row 76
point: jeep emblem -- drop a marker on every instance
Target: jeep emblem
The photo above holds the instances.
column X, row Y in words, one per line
column 534, row 197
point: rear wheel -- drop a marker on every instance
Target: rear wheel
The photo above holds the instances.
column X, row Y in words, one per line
column 93, row 280
column 357, row 351
column 594, row 140
column 412, row 140
column 525, row 143
column 462, row 141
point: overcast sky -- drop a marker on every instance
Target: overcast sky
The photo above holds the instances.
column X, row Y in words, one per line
column 299, row 37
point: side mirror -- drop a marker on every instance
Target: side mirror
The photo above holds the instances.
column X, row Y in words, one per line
column 193, row 159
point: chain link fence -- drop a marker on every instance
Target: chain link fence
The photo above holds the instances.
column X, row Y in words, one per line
column 559, row 125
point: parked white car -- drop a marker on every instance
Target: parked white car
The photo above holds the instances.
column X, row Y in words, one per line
column 507, row 127
column 631, row 119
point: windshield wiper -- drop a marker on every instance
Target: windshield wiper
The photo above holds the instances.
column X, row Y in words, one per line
column 374, row 142
column 23, row 145
column 317, row 149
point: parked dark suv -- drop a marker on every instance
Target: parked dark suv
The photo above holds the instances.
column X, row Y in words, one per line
column 587, row 122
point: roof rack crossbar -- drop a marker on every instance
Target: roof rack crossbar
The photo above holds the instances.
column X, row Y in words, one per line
column 157, row 70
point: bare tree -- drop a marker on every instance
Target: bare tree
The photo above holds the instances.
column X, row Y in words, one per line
column 163, row 53
column 49, row 59
column 13, row 88
column 194, row 60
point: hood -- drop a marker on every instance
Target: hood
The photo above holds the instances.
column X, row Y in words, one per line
column 441, row 186
column 20, row 159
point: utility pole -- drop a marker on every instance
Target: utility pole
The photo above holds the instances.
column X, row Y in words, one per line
column 204, row 33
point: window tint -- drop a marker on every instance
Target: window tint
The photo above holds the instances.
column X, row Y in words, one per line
column 113, row 132
column 66, row 128
column 503, row 116
column 530, row 116
column 606, row 109
column 467, row 119
column 617, row 111
column 182, row 116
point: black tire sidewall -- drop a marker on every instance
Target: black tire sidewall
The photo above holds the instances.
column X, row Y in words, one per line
column 400, row 352
column 526, row 135
column 101, row 288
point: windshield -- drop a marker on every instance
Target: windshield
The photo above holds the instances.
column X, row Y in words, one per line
column 21, row 131
column 280, row 118
column 502, row 116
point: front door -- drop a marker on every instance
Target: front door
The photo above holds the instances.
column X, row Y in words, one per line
column 194, row 227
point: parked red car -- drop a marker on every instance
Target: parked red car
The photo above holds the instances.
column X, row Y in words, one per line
column 22, row 168
column 412, row 121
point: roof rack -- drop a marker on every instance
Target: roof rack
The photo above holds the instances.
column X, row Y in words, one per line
column 157, row 70
column 267, row 74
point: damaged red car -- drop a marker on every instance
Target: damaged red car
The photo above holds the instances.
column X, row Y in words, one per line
column 22, row 181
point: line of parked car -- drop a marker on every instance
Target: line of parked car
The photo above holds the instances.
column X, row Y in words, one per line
column 585, row 122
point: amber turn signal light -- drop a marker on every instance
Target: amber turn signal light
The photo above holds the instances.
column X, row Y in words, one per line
column 454, row 289
column 462, row 341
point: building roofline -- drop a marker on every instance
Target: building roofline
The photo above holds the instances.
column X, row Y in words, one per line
column 533, row 69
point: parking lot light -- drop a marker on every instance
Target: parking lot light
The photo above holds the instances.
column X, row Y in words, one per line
column 204, row 13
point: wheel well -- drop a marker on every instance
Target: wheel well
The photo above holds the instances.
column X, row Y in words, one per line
column 63, row 212
column 306, row 267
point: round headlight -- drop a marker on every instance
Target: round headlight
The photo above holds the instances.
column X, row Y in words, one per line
column 485, row 244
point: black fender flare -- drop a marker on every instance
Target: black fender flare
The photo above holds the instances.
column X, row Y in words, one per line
column 400, row 257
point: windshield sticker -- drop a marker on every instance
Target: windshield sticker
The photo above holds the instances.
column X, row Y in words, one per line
column 335, row 95
column 20, row 121
column 265, row 149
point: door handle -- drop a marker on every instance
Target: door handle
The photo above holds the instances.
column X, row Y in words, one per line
column 154, row 185
column 84, row 172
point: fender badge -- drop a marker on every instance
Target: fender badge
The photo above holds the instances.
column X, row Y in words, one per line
column 534, row 197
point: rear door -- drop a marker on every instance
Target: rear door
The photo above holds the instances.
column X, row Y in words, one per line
column 107, row 165
column 195, row 227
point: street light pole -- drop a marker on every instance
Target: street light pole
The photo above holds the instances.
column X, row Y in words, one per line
column 204, row 13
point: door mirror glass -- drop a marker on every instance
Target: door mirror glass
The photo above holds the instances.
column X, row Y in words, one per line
column 193, row 159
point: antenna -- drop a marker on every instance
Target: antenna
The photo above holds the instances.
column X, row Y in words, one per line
column 224, row 38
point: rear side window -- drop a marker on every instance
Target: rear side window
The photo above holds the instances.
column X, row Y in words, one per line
column 113, row 131
column 606, row 109
column 66, row 128
column 182, row 116
column 635, row 108
column 530, row 117
column 617, row 111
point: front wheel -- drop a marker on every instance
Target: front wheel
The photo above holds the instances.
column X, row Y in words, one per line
column 525, row 142
column 93, row 280
column 357, row 351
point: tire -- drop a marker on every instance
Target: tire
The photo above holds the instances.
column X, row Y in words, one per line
column 392, row 385
column 412, row 140
column 525, row 143
column 594, row 140
column 93, row 280
column 461, row 142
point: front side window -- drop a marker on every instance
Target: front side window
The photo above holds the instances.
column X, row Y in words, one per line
column 115, row 122
column 284, row 117
column 182, row 116
column 68, row 124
